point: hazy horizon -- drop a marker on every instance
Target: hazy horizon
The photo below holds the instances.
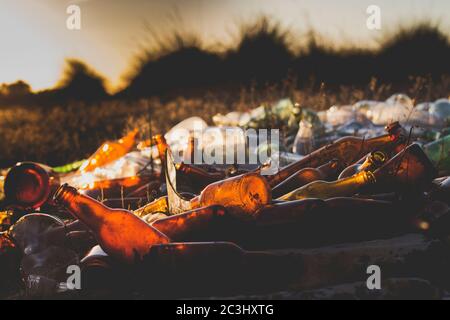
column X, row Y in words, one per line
column 36, row 41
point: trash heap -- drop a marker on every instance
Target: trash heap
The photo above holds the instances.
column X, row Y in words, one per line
column 357, row 186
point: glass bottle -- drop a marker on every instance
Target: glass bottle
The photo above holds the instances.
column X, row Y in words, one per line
column 119, row 232
column 373, row 161
column 304, row 176
column 196, row 225
column 325, row 190
column 347, row 150
column 197, row 176
column 410, row 169
column 241, row 194
column 29, row 185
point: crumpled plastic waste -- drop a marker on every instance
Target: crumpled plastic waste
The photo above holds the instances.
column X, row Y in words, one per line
column 127, row 166
column 110, row 151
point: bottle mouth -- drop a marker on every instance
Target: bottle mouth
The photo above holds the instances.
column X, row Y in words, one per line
column 27, row 185
column 63, row 192
column 378, row 157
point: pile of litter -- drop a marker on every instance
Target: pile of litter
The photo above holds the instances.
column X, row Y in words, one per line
column 279, row 202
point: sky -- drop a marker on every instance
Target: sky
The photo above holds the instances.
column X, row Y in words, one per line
column 35, row 41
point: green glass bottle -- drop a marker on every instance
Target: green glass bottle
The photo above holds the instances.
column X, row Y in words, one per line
column 326, row 190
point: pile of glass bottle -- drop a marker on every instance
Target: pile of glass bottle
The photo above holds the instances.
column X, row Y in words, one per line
column 130, row 212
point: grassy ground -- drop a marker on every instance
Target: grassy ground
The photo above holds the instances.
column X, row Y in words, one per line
column 63, row 133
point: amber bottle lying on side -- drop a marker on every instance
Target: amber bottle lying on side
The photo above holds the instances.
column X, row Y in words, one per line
column 347, row 150
column 198, row 225
column 29, row 185
column 241, row 194
column 120, row 233
column 216, row 223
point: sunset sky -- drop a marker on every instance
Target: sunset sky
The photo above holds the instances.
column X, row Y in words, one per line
column 35, row 40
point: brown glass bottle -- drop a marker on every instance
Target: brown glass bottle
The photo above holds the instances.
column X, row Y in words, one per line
column 191, row 172
column 119, row 232
column 325, row 190
column 408, row 170
column 347, row 150
column 197, row 225
column 288, row 212
column 29, row 185
column 372, row 162
column 304, row 176
column 241, row 194
column 197, row 176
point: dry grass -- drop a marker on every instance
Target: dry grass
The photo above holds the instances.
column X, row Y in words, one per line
column 64, row 133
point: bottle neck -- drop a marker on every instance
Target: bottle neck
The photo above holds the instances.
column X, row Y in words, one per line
column 82, row 207
column 374, row 161
column 194, row 171
column 324, row 190
column 383, row 141
column 360, row 179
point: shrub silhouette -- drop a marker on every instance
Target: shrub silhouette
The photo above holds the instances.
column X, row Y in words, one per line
column 420, row 50
column 263, row 56
column 186, row 67
column 80, row 82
